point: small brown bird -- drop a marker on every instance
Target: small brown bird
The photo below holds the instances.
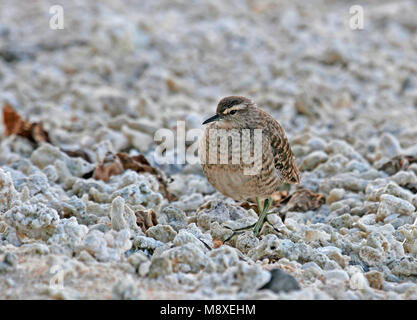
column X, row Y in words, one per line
column 270, row 146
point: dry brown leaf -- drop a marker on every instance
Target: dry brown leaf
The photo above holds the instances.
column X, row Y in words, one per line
column 301, row 200
column 12, row 120
column 140, row 164
column 117, row 164
column 304, row 200
column 249, row 205
column 397, row 163
column 205, row 205
column 217, row 243
column 278, row 198
column 78, row 153
column 110, row 166
column 15, row 125
column 146, row 219
column 136, row 163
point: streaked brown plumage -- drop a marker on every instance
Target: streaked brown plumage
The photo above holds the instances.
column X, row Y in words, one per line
column 278, row 165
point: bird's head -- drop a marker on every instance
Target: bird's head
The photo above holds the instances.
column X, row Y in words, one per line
column 233, row 111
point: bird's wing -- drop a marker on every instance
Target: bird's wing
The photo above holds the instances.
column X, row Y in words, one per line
column 283, row 157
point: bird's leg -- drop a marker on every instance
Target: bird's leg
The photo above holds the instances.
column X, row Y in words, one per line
column 258, row 203
column 263, row 213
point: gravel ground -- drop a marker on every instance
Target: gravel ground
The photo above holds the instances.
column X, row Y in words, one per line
column 121, row 70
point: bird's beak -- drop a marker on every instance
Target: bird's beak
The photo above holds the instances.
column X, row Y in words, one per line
column 213, row 118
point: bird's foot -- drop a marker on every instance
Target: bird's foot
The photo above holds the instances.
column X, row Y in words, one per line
column 238, row 231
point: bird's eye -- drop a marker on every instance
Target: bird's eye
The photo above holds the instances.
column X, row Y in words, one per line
column 232, row 112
